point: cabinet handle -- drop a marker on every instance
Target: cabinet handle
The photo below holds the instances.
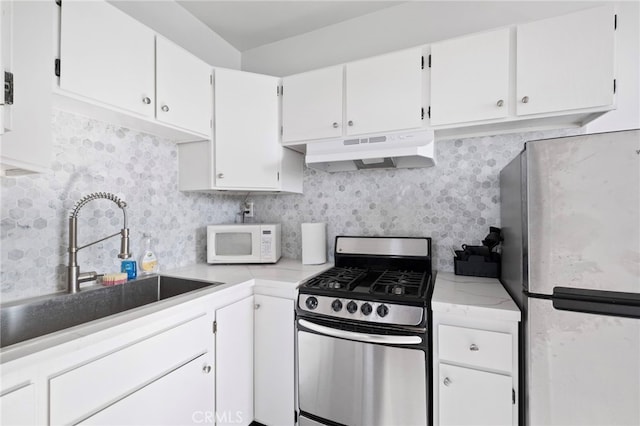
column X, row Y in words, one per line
column 165, row 108
column 257, row 306
column 335, row 125
column 525, row 100
column 146, row 100
column 350, row 123
column 474, row 347
column 206, row 369
column 446, row 381
column 500, row 103
column 220, row 175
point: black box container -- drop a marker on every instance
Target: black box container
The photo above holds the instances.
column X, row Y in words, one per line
column 478, row 266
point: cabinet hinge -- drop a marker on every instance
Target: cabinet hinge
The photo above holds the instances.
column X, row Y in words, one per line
column 614, row 85
column 211, row 123
column 429, row 61
column 280, row 90
column 8, row 88
column 278, row 176
column 513, row 396
column 429, row 111
column 57, row 67
column 295, row 416
column 215, row 327
column 422, row 62
column 615, row 22
column 211, row 79
column 421, row 113
column 281, row 130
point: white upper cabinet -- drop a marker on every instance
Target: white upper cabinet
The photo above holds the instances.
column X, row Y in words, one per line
column 312, row 105
column 566, row 62
column 107, row 56
column 184, row 88
column 470, row 78
column 247, row 150
column 384, row 93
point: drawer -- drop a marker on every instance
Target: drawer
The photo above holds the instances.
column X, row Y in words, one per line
column 478, row 348
column 88, row 388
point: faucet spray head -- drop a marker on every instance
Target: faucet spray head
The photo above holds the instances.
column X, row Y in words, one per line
column 124, row 244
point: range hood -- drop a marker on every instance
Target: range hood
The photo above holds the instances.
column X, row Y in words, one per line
column 379, row 151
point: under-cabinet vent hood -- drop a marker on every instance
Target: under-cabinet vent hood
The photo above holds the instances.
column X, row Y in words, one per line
column 380, row 151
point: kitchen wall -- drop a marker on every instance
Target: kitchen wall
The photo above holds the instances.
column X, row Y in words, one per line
column 454, row 202
column 89, row 156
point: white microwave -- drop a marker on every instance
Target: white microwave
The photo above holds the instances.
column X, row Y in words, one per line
column 243, row 243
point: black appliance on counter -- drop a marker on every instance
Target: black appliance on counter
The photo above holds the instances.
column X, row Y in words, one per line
column 364, row 354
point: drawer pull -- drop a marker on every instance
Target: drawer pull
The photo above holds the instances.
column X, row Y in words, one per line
column 474, row 347
column 446, row 381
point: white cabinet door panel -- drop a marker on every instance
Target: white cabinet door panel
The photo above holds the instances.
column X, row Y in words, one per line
column 312, row 105
column 274, row 361
column 17, row 407
column 247, row 150
column 473, row 397
column 234, row 363
column 184, row 89
column 470, row 78
column 384, row 93
column 183, row 397
column 108, row 56
column 566, row 62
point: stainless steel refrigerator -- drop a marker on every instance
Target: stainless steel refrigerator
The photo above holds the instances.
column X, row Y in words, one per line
column 570, row 216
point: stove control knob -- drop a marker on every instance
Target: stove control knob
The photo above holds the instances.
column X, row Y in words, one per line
column 336, row 305
column 382, row 310
column 366, row 309
column 311, row 303
column 352, row 307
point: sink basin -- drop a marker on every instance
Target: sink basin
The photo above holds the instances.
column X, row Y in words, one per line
column 20, row 321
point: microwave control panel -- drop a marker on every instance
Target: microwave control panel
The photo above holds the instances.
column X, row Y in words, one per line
column 267, row 244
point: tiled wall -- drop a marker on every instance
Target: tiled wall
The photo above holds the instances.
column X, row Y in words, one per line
column 91, row 156
column 453, row 203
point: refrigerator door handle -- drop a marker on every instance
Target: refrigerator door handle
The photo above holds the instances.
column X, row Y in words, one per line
column 610, row 303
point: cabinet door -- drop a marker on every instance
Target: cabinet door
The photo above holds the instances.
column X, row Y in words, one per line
column 474, row 397
column 566, row 62
column 234, row 363
column 247, row 150
column 470, row 78
column 183, row 397
column 184, row 88
column 106, row 55
column 384, row 93
column 274, row 381
column 312, row 105
column 18, row 406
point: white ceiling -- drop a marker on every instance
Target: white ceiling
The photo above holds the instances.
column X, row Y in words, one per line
column 249, row 24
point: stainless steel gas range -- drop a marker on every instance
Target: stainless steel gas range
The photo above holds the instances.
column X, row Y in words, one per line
column 363, row 335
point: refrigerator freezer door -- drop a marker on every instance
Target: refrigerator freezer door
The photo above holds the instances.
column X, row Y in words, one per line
column 582, row 369
column 583, row 208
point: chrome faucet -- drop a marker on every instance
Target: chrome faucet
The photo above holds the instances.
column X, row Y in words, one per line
column 74, row 277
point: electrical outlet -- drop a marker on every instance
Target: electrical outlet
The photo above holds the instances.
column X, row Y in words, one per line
column 248, row 209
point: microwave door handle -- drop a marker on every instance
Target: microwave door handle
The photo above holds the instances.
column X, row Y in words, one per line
column 361, row 337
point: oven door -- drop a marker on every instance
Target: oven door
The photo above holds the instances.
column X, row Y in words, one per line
column 354, row 378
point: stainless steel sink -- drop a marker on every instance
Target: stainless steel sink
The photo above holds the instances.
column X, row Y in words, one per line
column 24, row 320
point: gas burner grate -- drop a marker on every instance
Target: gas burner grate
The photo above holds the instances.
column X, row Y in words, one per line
column 399, row 283
column 337, row 278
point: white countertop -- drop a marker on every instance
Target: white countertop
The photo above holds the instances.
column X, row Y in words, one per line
column 473, row 296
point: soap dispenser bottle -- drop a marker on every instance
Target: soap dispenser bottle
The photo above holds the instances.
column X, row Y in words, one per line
column 148, row 260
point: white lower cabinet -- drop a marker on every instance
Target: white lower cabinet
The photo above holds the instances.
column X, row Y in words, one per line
column 234, row 363
column 165, row 401
column 474, row 397
column 17, row 406
column 274, row 382
column 475, row 370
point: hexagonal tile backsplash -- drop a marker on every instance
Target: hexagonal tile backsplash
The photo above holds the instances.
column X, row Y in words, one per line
column 454, row 203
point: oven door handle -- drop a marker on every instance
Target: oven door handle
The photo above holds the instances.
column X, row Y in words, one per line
column 361, row 337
